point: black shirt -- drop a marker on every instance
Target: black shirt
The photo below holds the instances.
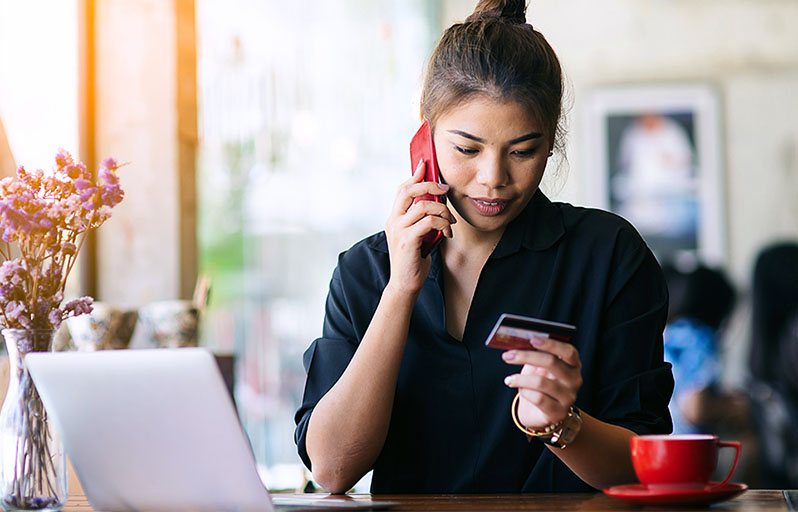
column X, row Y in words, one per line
column 451, row 430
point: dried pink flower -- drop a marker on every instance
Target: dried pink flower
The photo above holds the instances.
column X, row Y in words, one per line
column 47, row 215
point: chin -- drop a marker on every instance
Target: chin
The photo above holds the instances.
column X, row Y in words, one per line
column 488, row 225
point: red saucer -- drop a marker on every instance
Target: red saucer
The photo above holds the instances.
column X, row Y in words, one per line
column 642, row 495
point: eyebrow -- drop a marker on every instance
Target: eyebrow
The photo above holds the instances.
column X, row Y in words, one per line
column 522, row 138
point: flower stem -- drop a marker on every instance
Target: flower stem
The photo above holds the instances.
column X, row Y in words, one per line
column 37, row 465
column 80, row 245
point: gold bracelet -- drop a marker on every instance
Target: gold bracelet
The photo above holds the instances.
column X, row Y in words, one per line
column 549, row 430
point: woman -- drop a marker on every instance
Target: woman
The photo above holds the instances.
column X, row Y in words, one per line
column 401, row 381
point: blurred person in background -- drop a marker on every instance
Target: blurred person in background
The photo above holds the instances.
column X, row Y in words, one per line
column 774, row 363
column 701, row 301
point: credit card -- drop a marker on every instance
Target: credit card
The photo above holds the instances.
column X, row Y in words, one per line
column 516, row 332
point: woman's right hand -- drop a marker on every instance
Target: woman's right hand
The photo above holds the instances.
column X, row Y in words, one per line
column 407, row 225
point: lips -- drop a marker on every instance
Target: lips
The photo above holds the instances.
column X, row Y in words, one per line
column 489, row 207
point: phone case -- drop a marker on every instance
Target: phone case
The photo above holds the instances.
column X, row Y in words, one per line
column 516, row 331
column 422, row 146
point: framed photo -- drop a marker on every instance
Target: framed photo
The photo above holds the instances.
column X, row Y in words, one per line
column 653, row 157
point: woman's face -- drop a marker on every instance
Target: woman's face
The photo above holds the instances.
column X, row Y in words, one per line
column 492, row 154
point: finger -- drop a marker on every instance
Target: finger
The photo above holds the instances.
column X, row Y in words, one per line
column 447, row 231
column 445, row 226
column 411, row 190
column 539, row 362
column 547, row 405
column 528, row 369
column 423, row 208
column 403, row 199
column 531, row 357
column 427, row 224
column 536, row 382
column 540, row 356
column 427, row 187
column 416, row 224
column 565, row 351
column 418, row 172
column 560, row 371
column 555, row 389
column 419, row 211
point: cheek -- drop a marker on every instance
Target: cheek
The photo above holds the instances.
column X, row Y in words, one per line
column 454, row 171
column 531, row 176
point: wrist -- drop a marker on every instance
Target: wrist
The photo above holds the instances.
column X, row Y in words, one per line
column 559, row 434
column 400, row 292
column 568, row 430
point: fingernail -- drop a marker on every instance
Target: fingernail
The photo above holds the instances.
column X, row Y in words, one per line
column 508, row 380
column 537, row 342
column 443, row 186
column 420, row 165
column 509, row 355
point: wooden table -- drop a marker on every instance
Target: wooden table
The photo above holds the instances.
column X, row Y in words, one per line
column 752, row 500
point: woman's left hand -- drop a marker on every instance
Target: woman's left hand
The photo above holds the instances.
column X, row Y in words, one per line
column 548, row 382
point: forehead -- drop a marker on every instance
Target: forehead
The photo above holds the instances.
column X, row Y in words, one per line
column 490, row 117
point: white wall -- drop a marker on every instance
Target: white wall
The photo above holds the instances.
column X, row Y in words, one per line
column 746, row 49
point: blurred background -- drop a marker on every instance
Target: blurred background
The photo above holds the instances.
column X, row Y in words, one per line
column 265, row 137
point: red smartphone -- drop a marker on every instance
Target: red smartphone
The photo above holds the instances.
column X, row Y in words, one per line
column 423, row 147
column 516, row 332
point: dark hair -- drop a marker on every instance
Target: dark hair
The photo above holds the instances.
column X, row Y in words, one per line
column 703, row 294
column 496, row 53
column 774, row 306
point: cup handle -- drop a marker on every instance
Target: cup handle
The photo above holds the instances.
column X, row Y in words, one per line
column 736, row 446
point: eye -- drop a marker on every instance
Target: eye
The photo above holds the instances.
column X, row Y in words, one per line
column 465, row 151
column 524, row 153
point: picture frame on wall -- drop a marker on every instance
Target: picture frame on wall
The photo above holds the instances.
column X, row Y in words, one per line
column 653, row 156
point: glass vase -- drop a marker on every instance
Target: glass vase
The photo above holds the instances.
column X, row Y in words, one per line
column 33, row 474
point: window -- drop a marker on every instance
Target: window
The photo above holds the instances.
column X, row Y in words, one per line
column 39, row 87
column 305, row 120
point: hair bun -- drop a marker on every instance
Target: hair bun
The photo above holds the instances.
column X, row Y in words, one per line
column 513, row 11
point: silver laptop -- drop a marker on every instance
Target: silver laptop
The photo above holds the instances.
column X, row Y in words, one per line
column 157, row 430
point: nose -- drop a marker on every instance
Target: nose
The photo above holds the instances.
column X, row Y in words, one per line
column 492, row 171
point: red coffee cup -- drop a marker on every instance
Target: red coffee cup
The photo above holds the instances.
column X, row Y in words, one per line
column 679, row 461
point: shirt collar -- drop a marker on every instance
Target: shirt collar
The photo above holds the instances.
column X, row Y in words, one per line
column 537, row 227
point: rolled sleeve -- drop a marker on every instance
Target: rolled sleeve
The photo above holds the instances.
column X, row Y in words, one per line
column 325, row 361
column 635, row 383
